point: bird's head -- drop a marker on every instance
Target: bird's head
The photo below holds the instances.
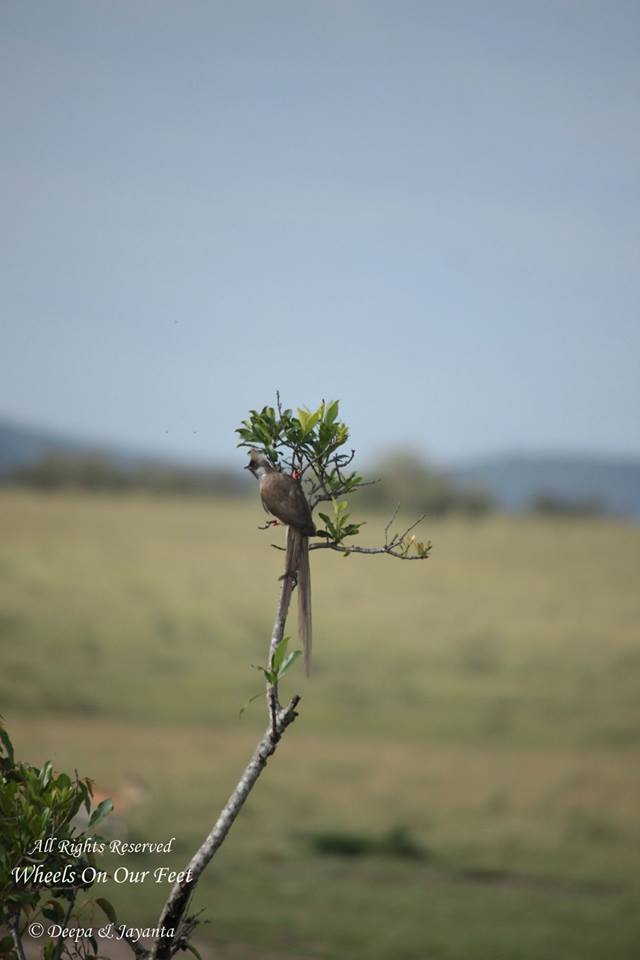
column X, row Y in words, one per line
column 259, row 463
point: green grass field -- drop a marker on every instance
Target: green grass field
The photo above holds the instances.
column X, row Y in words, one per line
column 487, row 700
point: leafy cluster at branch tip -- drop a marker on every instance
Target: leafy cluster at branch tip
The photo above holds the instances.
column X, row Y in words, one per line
column 307, row 445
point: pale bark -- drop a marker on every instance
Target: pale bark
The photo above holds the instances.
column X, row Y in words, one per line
column 174, row 910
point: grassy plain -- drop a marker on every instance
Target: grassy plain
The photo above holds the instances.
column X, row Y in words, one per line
column 487, row 700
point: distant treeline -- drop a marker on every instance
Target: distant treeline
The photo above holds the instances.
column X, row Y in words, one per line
column 551, row 505
column 88, row 471
column 405, row 479
column 401, row 478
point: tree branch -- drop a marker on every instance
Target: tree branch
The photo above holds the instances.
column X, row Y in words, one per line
column 273, row 704
column 280, row 718
column 65, row 923
column 17, row 940
column 139, row 951
column 390, row 551
column 325, row 480
column 179, row 898
column 394, row 547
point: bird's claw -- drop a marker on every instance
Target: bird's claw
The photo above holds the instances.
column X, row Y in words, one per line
column 269, row 524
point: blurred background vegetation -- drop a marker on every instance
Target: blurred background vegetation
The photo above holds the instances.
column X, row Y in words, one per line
column 463, row 781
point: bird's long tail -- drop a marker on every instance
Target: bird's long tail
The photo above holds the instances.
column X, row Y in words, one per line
column 298, row 564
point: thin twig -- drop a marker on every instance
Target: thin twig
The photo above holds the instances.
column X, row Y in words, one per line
column 412, row 526
column 388, row 526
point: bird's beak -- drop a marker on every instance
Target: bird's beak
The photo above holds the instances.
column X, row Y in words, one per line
column 247, row 466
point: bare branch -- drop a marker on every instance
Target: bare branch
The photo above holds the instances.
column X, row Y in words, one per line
column 389, row 550
column 395, row 547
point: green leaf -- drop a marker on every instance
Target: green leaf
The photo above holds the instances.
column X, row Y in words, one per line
column 268, row 675
column 8, row 746
column 330, row 525
column 288, row 662
column 278, row 655
column 342, row 434
column 309, row 420
column 331, row 411
column 352, row 529
column 45, row 773
column 263, row 433
column 423, row 548
column 85, row 790
column 101, row 811
column 107, row 908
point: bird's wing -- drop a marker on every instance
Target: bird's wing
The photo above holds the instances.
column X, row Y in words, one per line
column 284, row 498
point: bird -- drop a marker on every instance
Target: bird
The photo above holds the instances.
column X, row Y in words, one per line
column 283, row 497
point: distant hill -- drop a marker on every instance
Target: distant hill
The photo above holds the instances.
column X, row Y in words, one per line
column 22, row 446
column 515, row 481
column 48, row 460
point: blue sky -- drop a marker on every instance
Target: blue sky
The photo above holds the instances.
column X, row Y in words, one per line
column 428, row 210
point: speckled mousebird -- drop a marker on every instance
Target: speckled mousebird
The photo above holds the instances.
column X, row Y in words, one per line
column 283, row 497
